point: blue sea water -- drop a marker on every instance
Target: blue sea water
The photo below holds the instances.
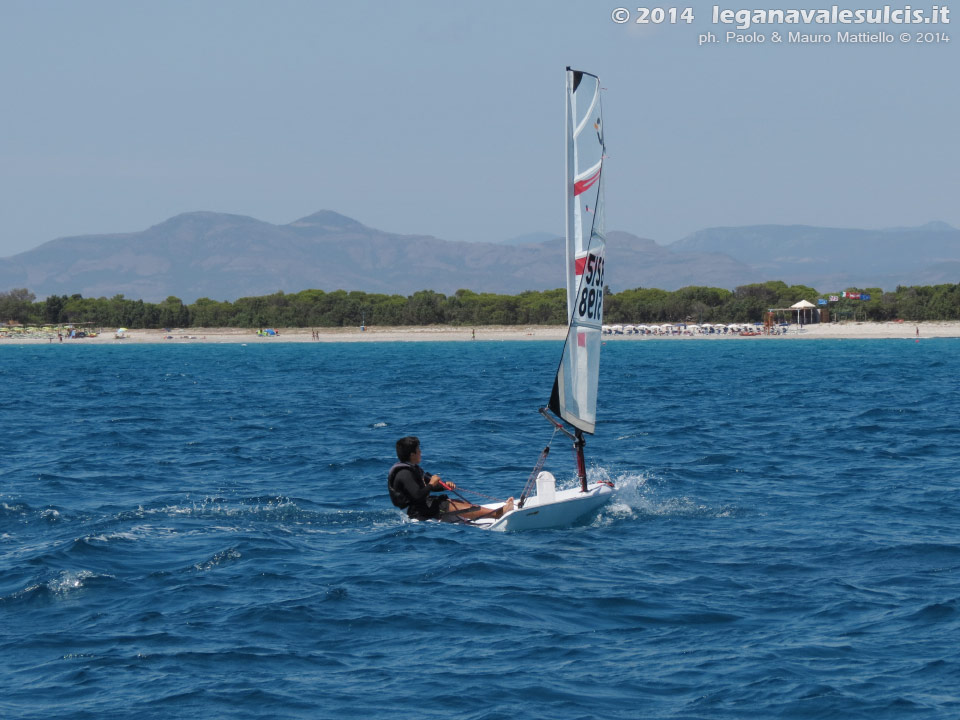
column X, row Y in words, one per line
column 204, row 531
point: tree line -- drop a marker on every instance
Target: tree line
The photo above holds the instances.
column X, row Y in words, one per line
column 317, row 308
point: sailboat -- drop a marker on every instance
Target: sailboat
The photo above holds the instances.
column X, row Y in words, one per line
column 573, row 401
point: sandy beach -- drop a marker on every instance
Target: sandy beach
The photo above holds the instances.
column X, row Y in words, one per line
column 850, row 330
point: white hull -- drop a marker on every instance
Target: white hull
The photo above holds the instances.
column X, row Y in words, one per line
column 567, row 507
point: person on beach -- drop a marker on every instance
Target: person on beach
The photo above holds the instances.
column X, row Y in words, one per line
column 410, row 487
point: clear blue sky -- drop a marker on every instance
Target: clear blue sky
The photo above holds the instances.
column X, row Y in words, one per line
column 446, row 118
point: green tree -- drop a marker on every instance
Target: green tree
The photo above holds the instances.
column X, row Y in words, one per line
column 17, row 305
column 425, row 307
column 172, row 313
column 53, row 308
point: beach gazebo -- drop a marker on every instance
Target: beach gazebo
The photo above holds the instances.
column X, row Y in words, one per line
column 804, row 310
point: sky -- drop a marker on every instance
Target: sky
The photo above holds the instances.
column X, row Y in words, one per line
column 446, row 118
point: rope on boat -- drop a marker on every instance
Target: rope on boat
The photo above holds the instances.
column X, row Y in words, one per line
column 456, row 492
column 528, row 488
column 458, row 513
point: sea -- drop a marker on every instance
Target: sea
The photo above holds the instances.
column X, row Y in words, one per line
column 204, row 531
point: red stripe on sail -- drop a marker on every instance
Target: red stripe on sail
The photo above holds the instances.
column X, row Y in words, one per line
column 581, row 265
column 585, row 184
column 581, row 339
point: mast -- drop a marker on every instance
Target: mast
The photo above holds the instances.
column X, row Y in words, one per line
column 581, row 465
column 572, row 220
column 578, row 444
column 570, row 215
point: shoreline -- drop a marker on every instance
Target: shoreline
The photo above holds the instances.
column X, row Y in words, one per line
column 448, row 333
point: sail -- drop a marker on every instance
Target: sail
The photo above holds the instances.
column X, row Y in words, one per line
column 574, row 396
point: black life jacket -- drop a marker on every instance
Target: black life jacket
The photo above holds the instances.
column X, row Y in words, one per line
column 397, row 496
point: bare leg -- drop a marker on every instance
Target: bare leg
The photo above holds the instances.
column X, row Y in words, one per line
column 466, row 511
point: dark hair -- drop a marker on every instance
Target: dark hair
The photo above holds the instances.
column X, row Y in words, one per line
column 407, row 446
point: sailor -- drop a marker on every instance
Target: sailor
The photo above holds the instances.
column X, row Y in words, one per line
column 411, row 486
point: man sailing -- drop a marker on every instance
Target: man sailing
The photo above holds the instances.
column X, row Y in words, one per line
column 410, row 487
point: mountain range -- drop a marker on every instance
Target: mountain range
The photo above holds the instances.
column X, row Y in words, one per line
column 221, row 256
column 835, row 258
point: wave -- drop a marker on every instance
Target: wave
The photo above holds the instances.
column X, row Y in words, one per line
column 16, row 510
column 647, row 496
column 64, row 584
column 221, row 558
column 268, row 509
column 937, row 612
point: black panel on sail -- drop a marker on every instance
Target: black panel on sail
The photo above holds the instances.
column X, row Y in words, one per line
column 555, row 398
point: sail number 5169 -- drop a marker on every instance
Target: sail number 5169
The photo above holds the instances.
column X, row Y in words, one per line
column 590, row 303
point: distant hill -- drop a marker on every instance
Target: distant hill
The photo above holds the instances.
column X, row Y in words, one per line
column 531, row 238
column 220, row 256
column 206, row 254
column 835, row 258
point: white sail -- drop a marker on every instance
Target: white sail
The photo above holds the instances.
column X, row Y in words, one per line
column 574, row 396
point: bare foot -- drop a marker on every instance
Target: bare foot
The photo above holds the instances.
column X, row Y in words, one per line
column 507, row 507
